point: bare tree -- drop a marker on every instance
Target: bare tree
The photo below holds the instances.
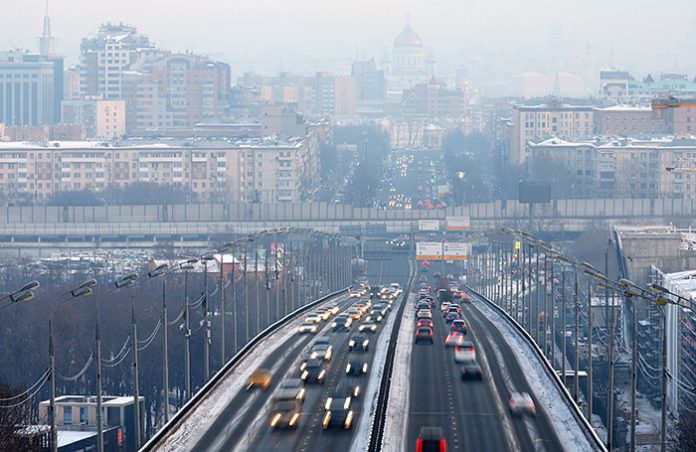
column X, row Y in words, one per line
column 14, row 415
column 684, row 437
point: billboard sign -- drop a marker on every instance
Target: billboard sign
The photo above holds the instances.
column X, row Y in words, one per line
column 457, row 223
column 456, row 251
column 429, row 251
column 428, row 225
column 534, row 192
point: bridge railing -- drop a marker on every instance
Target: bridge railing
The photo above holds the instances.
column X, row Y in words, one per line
column 170, row 427
column 523, row 279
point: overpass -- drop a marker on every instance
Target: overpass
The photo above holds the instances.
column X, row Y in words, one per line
column 407, row 386
column 195, row 224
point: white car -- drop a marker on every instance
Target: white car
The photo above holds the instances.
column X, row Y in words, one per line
column 522, row 403
column 313, row 317
column 308, row 327
column 465, row 352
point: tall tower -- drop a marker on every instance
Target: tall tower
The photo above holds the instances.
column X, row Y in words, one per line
column 47, row 45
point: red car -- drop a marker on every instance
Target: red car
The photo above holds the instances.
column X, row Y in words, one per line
column 425, row 322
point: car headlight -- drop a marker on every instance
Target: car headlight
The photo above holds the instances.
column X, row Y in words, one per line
column 365, row 368
column 275, row 420
column 351, row 343
column 303, row 367
column 349, row 419
column 321, row 375
column 327, row 418
column 348, row 368
column 328, row 403
column 314, row 329
column 346, row 403
column 334, row 324
column 293, row 419
column 300, row 395
column 305, row 374
column 365, row 343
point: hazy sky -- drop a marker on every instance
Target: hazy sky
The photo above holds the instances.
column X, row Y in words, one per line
column 644, row 35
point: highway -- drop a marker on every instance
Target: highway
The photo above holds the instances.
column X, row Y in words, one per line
column 244, row 422
column 473, row 414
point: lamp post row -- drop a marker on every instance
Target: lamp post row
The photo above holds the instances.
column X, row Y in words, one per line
column 497, row 289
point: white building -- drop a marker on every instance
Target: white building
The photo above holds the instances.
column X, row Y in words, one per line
column 411, row 64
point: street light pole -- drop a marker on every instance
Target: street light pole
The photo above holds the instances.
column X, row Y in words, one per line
column 100, row 427
column 589, row 351
column 136, row 377
column 187, row 337
column 577, row 339
column 165, row 349
column 634, row 373
column 564, row 324
column 222, row 308
column 610, row 404
column 663, row 414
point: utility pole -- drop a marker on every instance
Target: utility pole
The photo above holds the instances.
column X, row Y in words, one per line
column 563, row 343
column 223, row 357
column 187, row 339
column 577, row 339
column 589, row 352
column 246, row 293
column 100, row 426
column 206, row 324
column 136, row 377
column 165, row 357
column 610, row 402
column 634, row 373
column 256, row 288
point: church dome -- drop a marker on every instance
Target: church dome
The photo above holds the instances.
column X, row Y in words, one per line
column 408, row 38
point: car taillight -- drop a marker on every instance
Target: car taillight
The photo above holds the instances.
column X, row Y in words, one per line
column 419, row 445
column 443, row 445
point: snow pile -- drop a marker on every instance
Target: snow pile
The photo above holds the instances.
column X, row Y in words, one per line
column 547, row 393
column 362, row 437
column 399, row 394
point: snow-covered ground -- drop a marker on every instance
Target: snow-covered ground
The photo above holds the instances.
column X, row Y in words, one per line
column 361, row 439
column 194, row 425
column 544, row 387
column 395, row 427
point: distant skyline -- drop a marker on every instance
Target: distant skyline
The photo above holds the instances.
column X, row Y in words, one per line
column 309, row 35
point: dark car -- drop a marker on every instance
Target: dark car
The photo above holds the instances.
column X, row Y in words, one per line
column 431, row 439
column 313, row 371
column 459, row 326
column 470, row 370
column 338, row 415
column 358, row 342
column 342, row 322
column 424, row 334
column 343, row 391
column 356, row 366
column 425, row 322
column 452, row 316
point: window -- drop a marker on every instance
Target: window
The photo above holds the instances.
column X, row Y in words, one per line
column 67, row 415
column 84, row 417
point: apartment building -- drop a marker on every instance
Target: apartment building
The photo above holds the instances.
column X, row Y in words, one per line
column 677, row 115
column 626, row 168
column 628, row 120
column 538, row 122
column 251, row 170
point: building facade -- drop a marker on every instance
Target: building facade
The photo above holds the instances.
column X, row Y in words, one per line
column 628, row 120
column 251, row 170
column 30, row 89
column 411, row 63
column 626, row 168
column 538, row 122
column 102, row 119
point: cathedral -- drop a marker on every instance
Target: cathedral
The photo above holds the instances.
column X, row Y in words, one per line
column 410, row 64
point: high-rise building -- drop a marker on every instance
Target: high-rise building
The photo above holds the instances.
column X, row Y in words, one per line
column 180, row 90
column 27, row 89
column 370, row 83
column 106, row 56
column 162, row 90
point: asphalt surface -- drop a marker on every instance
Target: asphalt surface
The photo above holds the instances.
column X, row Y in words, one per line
column 244, row 423
column 473, row 414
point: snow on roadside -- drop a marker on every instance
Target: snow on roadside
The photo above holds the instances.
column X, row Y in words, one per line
column 395, row 427
column 543, row 386
column 362, row 437
column 194, row 426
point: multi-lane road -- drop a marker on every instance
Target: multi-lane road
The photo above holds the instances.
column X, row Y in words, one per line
column 244, row 423
column 473, row 414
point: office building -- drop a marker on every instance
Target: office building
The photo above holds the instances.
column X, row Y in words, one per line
column 102, row 119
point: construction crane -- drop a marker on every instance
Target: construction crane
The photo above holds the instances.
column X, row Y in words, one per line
column 682, row 165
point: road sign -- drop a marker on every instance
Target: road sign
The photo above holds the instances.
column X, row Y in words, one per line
column 456, row 251
column 457, row 223
column 431, row 251
column 428, row 225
